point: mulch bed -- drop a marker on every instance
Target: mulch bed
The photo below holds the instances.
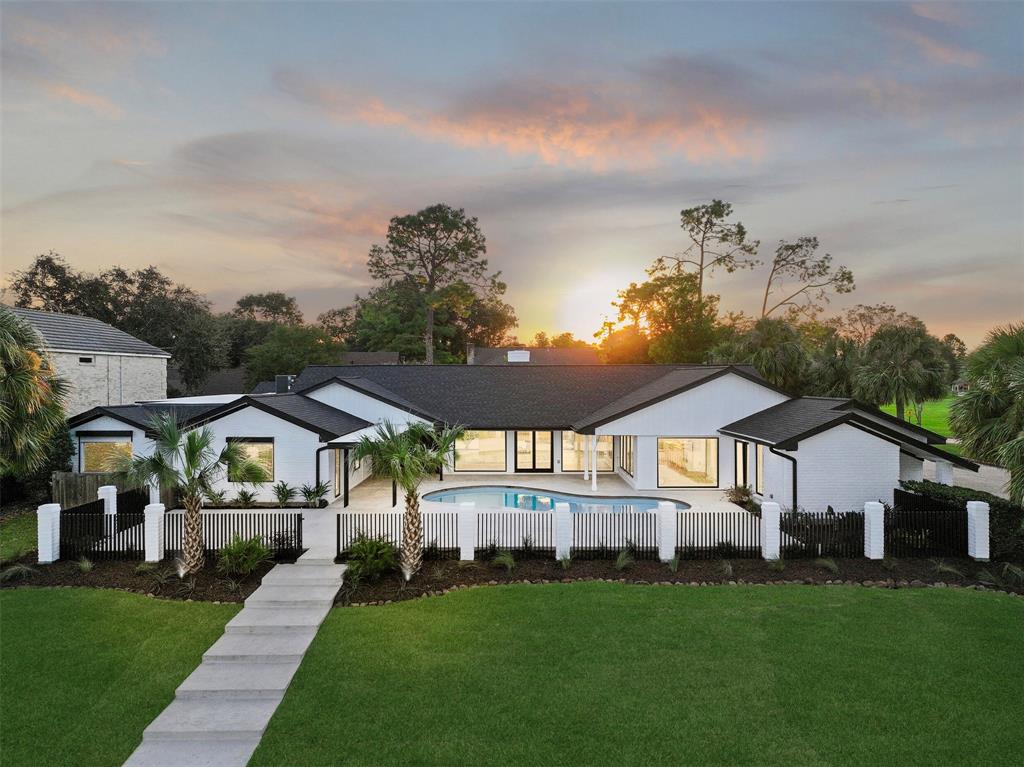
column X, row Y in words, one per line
column 438, row 577
column 160, row 581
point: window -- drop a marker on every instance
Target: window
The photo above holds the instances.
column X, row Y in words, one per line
column 85, row 360
column 101, row 455
column 258, row 449
column 687, row 462
column 574, row 452
column 627, row 454
column 480, row 451
column 338, row 460
column 742, row 476
column 759, row 470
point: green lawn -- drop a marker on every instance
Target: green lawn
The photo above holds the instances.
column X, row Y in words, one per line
column 17, row 535
column 83, row 671
column 934, row 418
column 595, row 673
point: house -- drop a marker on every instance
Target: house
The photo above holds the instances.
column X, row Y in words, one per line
column 104, row 366
column 522, row 355
column 687, row 429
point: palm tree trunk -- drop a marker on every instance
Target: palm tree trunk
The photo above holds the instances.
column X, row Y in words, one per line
column 900, row 408
column 428, row 337
column 192, row 546
column 412, row 536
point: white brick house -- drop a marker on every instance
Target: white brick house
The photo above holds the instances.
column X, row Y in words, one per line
column 104, row 366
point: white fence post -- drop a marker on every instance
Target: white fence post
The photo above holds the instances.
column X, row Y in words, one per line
column 771, row 535
column 154, row 492
column 154, row 532
column 467, row 519
column 48, row 532
column 108, row 494
column 563, row 531
column 668, row 522
column 874, row 530
column 977, row 530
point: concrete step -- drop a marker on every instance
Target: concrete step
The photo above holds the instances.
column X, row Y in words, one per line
column 284, row 647
column 317, row 558
column 235, row 681
column 267, row 621
column 292, row 596
column 313, row 575
column 212, row 720
column 194, row 753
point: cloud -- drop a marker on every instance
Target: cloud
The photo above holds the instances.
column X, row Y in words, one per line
column 97, row 103
column 940, row 52
column 945, row 13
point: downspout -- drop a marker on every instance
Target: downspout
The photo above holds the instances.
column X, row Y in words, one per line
column 792, row 460
column 317, row 460
column 345, row 502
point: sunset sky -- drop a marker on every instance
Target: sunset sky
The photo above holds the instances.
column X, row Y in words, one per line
column 255, row 147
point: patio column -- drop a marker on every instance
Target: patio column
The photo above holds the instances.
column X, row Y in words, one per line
column 944, row 472
column 344, row 478
column 586, row 458
column 593, row 465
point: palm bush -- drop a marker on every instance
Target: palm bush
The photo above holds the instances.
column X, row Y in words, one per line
column 32, row 397
column 242, row 556
column 369, row 559
column 284, row 493
column 989, row 418
column 216, row 497
column 406, row 457
column 187, row 462
column 313, row 494
column 245, row 498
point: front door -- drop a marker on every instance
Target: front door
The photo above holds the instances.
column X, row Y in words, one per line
column 533, row 451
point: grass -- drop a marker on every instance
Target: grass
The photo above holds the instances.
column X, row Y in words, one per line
column 588, row 673
column 17, row 535
column 83, row 671
column 935, row 417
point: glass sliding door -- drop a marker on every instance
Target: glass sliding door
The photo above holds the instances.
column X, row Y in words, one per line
column 533, row 451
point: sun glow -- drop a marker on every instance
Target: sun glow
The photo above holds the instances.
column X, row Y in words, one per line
column 586, row 304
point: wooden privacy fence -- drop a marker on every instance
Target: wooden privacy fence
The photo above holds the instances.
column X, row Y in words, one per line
column 280, row 531
column 821, row 534
column 926, row 532
column 516, row 531
column 70, row 488
column 597, row 534
column 718, row 534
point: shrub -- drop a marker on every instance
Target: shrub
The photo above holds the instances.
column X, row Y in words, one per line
column 284, row 493
column 565, row 562
column 313, row 495
column 15, row 572
column 369, row 559
column 828, row 564
column 1014, row 572
column 146, row 568
column 624, row 560
column 741, row 495
column 242, row 556
column 216, row 497
column 890, row 564
column 1006, row 519
column 506, row 560
column 725, row 549
column 777, row 565
column 84, row 565
column 726, row 568
column 245, row 498
column 941, row 566
column 673, row 564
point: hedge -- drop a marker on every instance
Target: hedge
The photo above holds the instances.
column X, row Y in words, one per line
column 1006, row 519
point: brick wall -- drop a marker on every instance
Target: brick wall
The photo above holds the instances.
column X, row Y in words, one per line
column 110, row 379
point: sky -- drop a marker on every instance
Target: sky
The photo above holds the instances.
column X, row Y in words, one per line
column 255, row 147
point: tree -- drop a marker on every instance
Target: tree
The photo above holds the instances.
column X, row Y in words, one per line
column 955, row 352
column 32, row 397
column 799, row 280
column 567, row 340
column 268, row 307
column 774, row 347
column 406, row 457
column 713, row 243
column 902, row 364
column 200, row 348
column 627, row 345
column 188, row 463
column 337, row 323
column 434, row 249
column 833, row 367
column 287, row 350
column 989, row 418
column 860, row 322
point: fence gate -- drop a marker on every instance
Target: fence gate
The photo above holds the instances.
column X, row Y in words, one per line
column 921, row 532
column 718, row 534
column 88, row 531
column 822, row 534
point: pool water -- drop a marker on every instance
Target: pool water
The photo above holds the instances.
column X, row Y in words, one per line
column 539, row 500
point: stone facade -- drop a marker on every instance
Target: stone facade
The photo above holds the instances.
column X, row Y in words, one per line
column 110, row 379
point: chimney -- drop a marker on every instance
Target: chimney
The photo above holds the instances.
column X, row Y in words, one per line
column 470, row 354
column 283, row 384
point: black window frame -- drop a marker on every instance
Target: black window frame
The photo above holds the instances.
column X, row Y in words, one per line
column 533, row 439
column 631, row 453
column 746, row 464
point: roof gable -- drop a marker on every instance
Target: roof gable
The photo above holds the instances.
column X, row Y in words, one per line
column 71, row 332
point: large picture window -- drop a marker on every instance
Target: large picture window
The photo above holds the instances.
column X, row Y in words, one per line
column 101, row 455
column 574, row 452
column 687, row 462
column 627, row 454
column 259, row 450
column 479, row 450
column 759, row 470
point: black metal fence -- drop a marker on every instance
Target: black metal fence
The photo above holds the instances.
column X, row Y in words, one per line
column 599, row 535
column 281, row 532
column 822, row 534
column 87, row 531
column 926, row 532
column 130, row 502
column 718, row 535
column 386, row 526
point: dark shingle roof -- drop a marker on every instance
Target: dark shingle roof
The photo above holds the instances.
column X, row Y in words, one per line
column 141, row 416
column 505, row 396
column 328, row 421
column 543, row 356
column 74, row 333
column 790, row 419
column 264, row 387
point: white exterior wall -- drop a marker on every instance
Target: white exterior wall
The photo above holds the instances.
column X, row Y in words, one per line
column 845, row 468
column 111, row 379
column 778, row 478
column 141, row 444
column 699, row 412
column 911, row 468
column 362, row 405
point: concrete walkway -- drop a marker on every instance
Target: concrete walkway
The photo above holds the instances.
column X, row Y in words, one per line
column 220, row 712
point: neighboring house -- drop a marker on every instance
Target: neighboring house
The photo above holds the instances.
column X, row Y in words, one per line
column 520, row 355
column 679, row 427
column 960, row 386
column 104, row 366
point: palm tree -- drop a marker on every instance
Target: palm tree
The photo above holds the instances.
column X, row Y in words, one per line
column 32, row 397
column 406, row 457
column 901, row 364
column 187, row 462
column 776, row 350
column 989, row 418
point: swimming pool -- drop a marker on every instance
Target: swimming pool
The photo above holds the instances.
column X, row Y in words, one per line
column 488, row 497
